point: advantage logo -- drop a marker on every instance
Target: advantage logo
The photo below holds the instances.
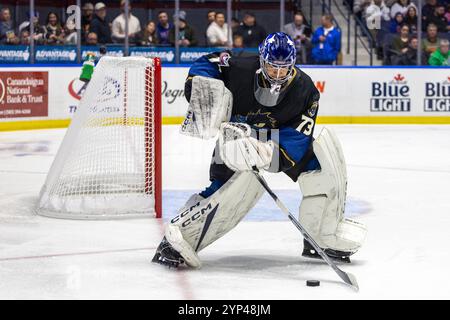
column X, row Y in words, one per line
column 437, row 96
column 392, row 96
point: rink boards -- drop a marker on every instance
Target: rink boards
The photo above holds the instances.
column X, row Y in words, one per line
column 47, row 96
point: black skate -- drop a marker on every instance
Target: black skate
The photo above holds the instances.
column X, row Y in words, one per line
column 335, row 255
column 167, row 255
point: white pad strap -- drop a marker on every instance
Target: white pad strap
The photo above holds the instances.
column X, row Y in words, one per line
column 211, row 104
column 324, row 193
column 202, row 221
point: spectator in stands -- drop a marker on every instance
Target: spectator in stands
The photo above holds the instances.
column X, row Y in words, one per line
column 100, row 24
column 390, row 3
column 396, row 23
column 252, row 33
column 447, row 14
column 438, row 18
column 326, row 42
column 91, row 39
column 360, row 6
column 431, row 42
column 54, row 32
column 118, row 25
column 39, row 31
column 211, row 17
column 234, row 25
column 7, row 34
column 375, row 13
column 441, row 57
column 409, row 56
column 70, row 33
column 411, row 19
column 150, row 36
column 163, row 28
column 238, row 41
column 217, row 32
column 24, row 37
column 186, row 34
column 87, row 14
column 300, row 32
column 400, row 43
column 428, row 11
column 401, row 6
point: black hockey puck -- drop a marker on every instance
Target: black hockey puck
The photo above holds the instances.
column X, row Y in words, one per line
column 313, row 283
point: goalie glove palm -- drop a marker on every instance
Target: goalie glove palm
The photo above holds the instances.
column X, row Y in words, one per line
column 242, row 152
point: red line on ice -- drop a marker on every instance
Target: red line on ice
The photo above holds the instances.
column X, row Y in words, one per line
column 56, row 255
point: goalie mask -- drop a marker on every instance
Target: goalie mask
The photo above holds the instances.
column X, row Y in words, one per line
column 277, row 55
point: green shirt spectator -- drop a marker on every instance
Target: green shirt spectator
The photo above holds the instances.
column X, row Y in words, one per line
column 441, row 56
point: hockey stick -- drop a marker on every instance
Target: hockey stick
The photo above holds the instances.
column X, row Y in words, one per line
column 347, row 277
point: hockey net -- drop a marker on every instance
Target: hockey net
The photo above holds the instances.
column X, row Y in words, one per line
column 109, row 163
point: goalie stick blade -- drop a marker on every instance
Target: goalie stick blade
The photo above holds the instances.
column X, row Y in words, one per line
column 349, row 279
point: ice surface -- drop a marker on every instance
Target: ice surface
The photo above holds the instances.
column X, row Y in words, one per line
column 399, row 181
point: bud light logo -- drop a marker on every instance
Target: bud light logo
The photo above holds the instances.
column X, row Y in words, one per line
column 391, row 96
column 437, row 96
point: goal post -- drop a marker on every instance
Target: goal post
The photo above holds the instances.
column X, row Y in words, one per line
column 109, row 163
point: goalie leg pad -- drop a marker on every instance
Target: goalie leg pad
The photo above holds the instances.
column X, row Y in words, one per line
column 202, row 221
column 324, row 193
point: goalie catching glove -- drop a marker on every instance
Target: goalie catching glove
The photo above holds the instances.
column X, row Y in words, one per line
column 242, row 152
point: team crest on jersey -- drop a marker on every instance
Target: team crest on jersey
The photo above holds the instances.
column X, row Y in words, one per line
column 261, row 119
column 223, row 59
column 312, row 111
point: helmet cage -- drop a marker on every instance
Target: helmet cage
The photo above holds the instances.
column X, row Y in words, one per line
column 278, row 66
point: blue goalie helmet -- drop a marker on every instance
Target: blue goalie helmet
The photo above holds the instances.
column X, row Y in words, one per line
column 277, row 56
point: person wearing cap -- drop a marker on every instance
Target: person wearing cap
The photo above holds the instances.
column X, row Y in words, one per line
column 186, row 34
column 87, row 15
column 252, row 32
column 118, row 25
column 100, row 24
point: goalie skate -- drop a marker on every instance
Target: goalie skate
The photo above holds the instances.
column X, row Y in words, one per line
column 167, row 255
column 335, row 255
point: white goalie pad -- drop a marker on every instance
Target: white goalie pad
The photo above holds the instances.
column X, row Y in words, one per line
column 211, row 104
column 324, row 194
column 202, row 221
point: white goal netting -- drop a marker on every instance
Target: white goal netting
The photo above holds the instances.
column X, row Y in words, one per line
column 106, row 166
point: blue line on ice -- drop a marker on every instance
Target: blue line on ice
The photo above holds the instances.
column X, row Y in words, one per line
column 265, row 209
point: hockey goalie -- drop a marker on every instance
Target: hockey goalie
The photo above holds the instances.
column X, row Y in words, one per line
column 263, row 110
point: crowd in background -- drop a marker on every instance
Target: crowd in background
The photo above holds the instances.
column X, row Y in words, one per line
column 396, row 38
column 319, row 47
